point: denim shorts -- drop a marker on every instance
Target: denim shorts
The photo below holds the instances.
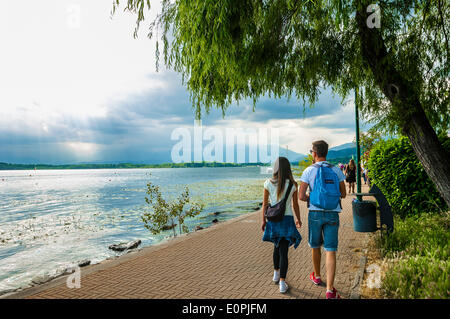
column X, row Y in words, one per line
column 323, row 229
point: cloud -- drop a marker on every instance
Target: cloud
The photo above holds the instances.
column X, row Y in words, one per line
column 90, row 92
column 62, row 69
column 138, row 127
column 270, row 108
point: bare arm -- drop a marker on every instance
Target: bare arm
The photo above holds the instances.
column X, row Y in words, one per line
column 302, row 192
column 295, row 206
column 263, row 208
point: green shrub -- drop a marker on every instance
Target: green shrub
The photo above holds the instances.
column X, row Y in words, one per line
column 165, row 213
column 395, row 169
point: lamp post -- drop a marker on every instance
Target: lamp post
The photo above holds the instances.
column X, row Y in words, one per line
column 358, row 152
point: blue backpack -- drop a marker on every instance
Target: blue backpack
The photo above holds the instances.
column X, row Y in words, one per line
column 326, row 193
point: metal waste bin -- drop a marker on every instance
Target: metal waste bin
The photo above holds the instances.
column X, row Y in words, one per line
column 364, row 216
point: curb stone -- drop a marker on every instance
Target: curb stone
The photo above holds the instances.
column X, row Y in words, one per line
column 356, row 287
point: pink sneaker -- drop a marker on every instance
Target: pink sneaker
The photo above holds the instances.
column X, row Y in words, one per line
column 333, row 295
column 316, row 281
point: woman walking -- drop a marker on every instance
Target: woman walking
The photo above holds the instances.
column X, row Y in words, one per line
column 282, row 233
column 350, row 176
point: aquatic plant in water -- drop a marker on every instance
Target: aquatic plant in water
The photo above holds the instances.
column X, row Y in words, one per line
column 165, row 211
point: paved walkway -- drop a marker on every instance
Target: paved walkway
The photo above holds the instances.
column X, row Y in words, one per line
column 227, row 260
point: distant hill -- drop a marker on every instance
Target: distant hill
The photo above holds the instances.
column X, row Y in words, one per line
column 343, row 146
column 342, row 152
column 138, row 159
column 8, row 166
column 165, row 157
column 292, row 156
column 347, row 152
column 158, row 159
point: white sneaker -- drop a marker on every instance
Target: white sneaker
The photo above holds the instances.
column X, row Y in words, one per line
column 283, row 287
column 276, row 276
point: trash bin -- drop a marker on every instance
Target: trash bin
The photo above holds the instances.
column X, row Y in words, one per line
column 364, row 216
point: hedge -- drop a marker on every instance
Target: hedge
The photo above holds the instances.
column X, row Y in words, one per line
column 395, row 169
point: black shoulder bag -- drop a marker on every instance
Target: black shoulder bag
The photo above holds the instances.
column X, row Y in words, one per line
column 276, row 212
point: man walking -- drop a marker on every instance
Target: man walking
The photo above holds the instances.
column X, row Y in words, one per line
column 326, row 183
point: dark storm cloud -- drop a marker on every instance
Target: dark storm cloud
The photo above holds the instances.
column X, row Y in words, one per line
column 139, row 128
column 272, row 109
column 173, row 107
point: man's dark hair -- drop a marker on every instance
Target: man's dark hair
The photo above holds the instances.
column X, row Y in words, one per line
column 321, row 148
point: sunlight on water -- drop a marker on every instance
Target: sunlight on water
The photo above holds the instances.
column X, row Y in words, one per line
column 52, row 219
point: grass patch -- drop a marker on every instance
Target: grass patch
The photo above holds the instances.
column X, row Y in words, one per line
column 417, row 254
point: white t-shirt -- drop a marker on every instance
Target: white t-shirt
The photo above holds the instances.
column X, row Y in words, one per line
column 272, row 189
column 308, row 176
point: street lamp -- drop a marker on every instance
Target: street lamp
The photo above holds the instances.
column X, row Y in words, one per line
column 358, row 152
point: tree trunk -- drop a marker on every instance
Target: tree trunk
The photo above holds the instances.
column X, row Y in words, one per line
column 430, row 153
column 405, row 104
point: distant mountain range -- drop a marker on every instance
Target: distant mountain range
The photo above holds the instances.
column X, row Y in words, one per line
column 344, row 152
column 340, row 153
column 343, row 146
column 165, row 157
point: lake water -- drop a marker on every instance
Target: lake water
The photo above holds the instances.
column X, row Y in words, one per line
column 52, row 219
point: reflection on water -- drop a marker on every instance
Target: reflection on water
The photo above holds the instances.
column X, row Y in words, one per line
column 51, row 219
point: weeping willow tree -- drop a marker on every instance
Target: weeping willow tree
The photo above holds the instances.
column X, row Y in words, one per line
column 394, row 52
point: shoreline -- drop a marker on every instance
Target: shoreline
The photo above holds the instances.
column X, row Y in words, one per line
column 46, row 278
column 50, row 276
column 21, row 272
column 45, row 167
column 19, row 293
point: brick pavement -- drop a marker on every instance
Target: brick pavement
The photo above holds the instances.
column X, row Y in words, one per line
column 227, row 260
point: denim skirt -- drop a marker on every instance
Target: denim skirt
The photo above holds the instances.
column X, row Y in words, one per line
column 285, row 228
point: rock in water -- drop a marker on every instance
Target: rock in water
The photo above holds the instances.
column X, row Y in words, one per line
column 133, row 244
column 83, row 263
column 215, row 220
column 41, row 279
column 125, row 246
column 167, row 227
column 198, row 227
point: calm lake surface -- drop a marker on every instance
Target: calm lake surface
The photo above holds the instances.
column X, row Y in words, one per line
column 52, row 219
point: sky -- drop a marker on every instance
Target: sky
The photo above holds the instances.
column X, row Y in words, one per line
column 77, row 87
